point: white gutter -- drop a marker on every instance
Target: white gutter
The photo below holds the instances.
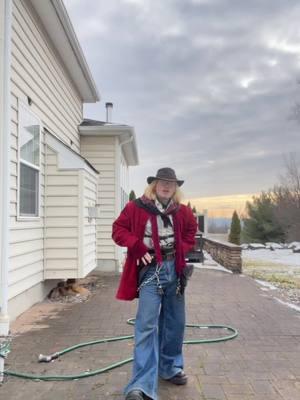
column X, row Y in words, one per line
column 56, row 21
column 68, row 27
column 133, row 147
column 127, row 141
column 5, row 175
column 107, row 129
column 115, row 130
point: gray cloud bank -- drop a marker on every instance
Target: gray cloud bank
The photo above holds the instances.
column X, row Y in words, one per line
column 209, row 85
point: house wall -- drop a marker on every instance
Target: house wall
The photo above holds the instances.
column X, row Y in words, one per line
column 70, row 236
column 37, row 72
column 124, row 181
column 61, row 220
column 102, row 152
column 88, row 226
column 123, row 188
column 1, row 54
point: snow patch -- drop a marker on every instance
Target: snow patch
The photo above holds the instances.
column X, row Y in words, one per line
column 210, row 263
column 215, row 267
column 273, row 245
column 293, row 306
column 293, row 244
column 267, row 285
column 282, row 256
column 256, row 246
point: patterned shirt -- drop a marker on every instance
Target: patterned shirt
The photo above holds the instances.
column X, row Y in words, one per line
column 166, row 234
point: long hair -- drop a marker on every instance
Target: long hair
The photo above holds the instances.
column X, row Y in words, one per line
column 150, row 192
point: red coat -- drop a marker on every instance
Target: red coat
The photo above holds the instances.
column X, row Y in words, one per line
column 128, row 231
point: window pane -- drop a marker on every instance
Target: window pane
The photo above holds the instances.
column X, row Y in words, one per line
column 28, row 190
column 29, row 137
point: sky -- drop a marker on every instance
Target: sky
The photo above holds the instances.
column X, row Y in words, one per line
column 209, row 86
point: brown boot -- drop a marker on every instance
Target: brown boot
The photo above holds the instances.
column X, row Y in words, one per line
column 135, row 395
column 179, row 379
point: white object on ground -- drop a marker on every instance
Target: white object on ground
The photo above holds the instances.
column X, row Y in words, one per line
column 217, row 267
column 267, row 285
column 273, row 245
column 210, row 263
column 293, row 244
column 297, row 308
column 244, row 246
column 256, row 246
column 282, row 256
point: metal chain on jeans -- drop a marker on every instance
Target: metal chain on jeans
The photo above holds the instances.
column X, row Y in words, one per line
column 178, row 287
column 160, row 289
column 150, row 279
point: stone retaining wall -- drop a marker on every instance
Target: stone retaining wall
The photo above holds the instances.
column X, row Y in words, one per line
column 227, row 254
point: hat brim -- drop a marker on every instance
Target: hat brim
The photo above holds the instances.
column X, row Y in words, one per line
column 150, row 179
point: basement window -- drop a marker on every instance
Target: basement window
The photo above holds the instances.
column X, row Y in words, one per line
column 29, row 163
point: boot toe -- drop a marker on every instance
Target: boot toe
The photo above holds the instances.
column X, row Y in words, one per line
column 135, row 395
column 179, row 379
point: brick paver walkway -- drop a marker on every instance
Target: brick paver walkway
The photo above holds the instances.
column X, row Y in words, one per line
column 262, row 363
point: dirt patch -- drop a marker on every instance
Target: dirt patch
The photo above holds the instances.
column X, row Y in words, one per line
column 50, row 308
column 34, row 316
column 75, row 291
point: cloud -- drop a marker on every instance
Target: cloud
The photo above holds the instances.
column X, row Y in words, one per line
column 208, row 85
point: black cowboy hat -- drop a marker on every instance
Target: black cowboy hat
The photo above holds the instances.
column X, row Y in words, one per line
column 165, row 174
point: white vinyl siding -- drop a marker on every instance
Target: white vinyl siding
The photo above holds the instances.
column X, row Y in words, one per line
column 37, row 73
column 124, row 181
column 70, row 237
column 89, row 227
column 101, row 152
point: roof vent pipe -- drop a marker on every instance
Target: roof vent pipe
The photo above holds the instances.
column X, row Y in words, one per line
column 109, row 107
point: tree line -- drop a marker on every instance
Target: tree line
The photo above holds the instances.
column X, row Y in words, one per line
column 274, row 215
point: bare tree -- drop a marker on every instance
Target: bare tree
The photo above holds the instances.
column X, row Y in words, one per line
column 286, row 198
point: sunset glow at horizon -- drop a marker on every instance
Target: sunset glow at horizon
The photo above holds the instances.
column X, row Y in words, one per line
column 222, row 206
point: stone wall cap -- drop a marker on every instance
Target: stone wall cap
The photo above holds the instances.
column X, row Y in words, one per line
column 226, row 244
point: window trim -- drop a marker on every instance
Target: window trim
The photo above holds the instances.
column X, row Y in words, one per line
column 22, row 107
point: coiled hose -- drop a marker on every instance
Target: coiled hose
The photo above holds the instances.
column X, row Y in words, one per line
column 43, row 358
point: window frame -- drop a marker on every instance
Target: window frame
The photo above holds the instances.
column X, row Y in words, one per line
column 22, row 217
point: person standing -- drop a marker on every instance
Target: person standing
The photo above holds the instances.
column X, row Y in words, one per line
column 158, row 231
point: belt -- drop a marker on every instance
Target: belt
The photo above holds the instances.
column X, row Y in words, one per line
column 166, row 255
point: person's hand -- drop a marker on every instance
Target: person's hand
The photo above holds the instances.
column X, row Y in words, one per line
column 146, row 259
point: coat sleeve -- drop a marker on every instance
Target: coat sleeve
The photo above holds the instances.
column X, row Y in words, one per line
column 190, row 229
column 122, row 233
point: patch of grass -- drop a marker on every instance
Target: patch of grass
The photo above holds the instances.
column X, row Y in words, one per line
column 256, row 264
column 277, row 279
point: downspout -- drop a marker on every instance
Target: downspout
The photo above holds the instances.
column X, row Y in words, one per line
column 118, row 250
column 5, row 132
column 127, row 141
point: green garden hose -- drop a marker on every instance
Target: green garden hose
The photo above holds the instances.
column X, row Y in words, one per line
column 130, row 321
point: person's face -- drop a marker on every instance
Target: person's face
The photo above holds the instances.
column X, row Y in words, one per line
column 165, row 190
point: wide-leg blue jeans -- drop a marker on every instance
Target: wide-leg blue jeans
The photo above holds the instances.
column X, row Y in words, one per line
column 159, row 332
